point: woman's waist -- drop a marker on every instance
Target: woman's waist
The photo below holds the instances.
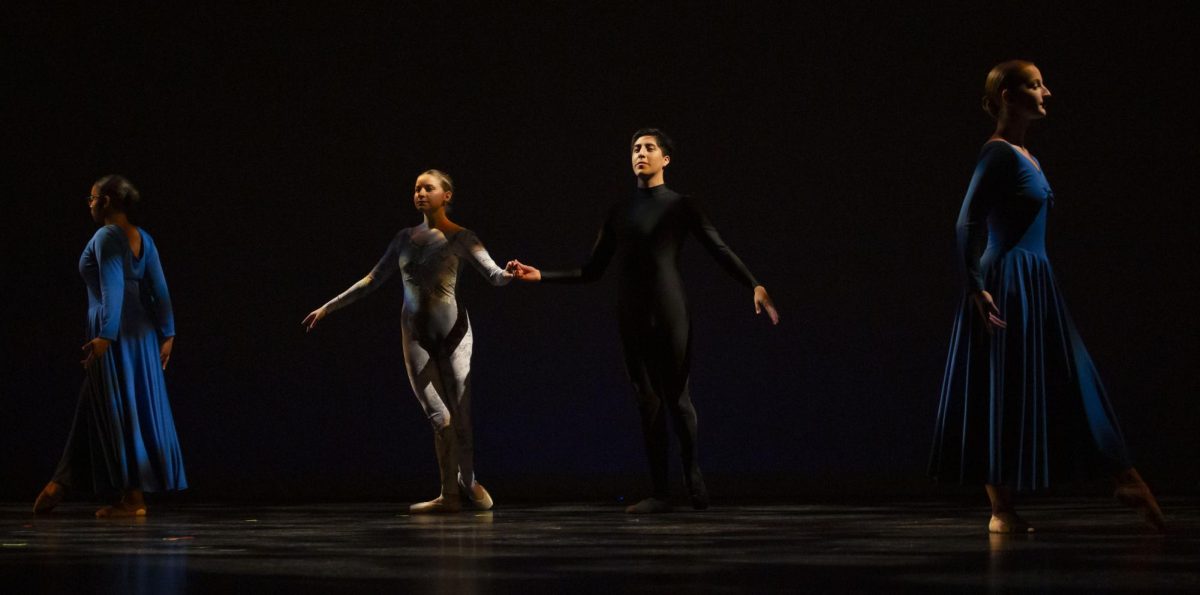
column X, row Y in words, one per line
column 414, row 302
column 1019, row 258
column 1025, row 249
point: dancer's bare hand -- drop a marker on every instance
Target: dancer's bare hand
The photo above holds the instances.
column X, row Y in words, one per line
column 763, row 301
column 310, row 321
column 94, row 350
column 164, row 351
column 523, row 272
column 988, row 311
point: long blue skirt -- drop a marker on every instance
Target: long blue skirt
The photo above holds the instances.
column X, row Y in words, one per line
column 123, row 435
column 1023, row 407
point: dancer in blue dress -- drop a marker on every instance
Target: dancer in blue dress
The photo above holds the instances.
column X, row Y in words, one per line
column 1021, row 403
column 437, row 332
column 123, row 436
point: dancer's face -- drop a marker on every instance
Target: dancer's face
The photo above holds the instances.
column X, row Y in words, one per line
column 96, row 204
column 1028, row 98
column 428, row 195
column 648, row 159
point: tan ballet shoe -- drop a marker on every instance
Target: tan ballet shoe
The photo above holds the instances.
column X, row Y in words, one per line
column 479, row 497
column 120, row 510
column 50, row 496
column 1008, row 523
column 1138, row 497
column 438, row 505
column 444, row 440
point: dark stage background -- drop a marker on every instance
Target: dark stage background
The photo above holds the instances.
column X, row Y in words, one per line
column 832, row 144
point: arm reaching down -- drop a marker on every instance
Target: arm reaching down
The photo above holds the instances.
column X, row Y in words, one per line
column 992, row 174
column 708, row 237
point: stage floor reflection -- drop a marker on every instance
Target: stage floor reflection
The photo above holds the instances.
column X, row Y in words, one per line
column 1082, row 545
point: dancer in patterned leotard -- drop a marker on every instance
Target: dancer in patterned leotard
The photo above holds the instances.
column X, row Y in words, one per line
column 437, row 332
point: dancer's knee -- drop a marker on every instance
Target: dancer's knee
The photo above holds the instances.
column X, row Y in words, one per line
column 650, row 407
column 439, row 419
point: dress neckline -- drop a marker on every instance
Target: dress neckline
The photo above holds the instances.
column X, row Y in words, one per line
column 141, row 237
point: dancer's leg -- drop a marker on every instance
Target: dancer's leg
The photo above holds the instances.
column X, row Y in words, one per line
column 1004, row 516
column 673, row 363
column 635, row 342
column 454, row 363
column 1133, row 492
column 76, row 468
column 428, row 387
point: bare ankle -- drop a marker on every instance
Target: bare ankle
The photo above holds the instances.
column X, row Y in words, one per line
column 1129, row 477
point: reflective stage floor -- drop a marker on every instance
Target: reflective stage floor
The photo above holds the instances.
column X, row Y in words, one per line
column 1082, row 545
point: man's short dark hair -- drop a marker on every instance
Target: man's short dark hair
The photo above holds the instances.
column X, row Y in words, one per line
column 664, row 142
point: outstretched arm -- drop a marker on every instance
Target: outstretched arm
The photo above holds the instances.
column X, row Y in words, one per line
column 592, row 269
column 353, row 294
column 477, row 255
column 387, row 265
column 708, row 237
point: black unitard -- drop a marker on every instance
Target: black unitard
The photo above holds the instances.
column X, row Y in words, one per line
column 646, row 232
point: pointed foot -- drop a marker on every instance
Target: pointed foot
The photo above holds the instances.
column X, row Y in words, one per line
column 1140, row 499
column 438, row 505
column 698, row 493
column 1009, row 523
column 649, row 506
column 476, row 495
column 49, row 497
column 121, row 510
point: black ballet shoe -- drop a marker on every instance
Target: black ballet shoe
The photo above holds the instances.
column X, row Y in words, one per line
column 694, row 481
column 697, row 492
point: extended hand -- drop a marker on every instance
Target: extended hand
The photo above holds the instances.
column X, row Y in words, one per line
column 311, row 320
column 523, row 272
column 988, row 311
column 164, row 351
column 95, row 350
column 762, row 301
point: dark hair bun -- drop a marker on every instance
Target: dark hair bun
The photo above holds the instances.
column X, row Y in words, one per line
column 121, row 193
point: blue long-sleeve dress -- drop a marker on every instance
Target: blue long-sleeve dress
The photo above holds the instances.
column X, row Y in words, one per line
column 1024, row 406
column 123, row 436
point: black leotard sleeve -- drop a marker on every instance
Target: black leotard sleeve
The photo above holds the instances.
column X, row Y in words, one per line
column 708, row 237
column 597, row 262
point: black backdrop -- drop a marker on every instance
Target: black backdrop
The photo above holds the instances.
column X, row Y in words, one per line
column 276, row 148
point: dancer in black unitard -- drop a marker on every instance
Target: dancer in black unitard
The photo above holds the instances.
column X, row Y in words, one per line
column 645, row 232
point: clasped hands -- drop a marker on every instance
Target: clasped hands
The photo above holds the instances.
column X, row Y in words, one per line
column 522, row 272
